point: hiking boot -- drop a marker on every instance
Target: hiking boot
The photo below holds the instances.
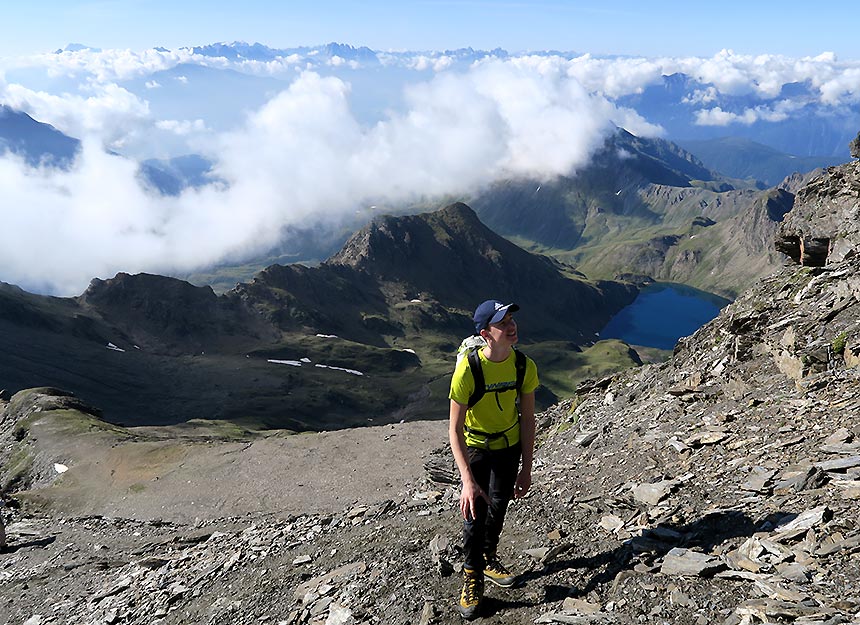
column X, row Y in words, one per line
column 496, row 572
column 471, row 595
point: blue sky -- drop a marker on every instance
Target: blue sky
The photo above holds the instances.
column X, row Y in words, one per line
column 629, row 27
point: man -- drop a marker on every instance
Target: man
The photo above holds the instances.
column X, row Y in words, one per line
column 488, row 440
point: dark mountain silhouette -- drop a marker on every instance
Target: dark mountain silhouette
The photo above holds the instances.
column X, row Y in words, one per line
column 458, row 259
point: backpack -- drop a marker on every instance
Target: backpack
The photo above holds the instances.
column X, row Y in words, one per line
column 469, row 349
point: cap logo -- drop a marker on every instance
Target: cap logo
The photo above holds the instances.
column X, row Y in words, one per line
column 499, row 305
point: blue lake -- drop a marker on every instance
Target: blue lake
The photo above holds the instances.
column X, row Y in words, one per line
column 661, row 314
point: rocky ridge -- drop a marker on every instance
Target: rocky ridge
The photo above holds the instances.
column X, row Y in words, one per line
column 719, row 487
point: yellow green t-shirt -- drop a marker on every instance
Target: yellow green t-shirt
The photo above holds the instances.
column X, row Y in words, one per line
column 496, row 411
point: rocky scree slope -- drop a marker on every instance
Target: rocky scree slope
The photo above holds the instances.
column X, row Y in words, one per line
column 719, row 487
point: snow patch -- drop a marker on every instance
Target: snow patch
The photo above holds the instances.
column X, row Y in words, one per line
column 352, row 371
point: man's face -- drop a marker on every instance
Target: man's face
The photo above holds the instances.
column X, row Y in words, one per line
column 504, row 331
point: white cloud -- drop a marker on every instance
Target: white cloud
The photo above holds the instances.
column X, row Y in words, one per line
column 842, row 88
column 110, row 111
column 304, row 156
column 301, row 157
column 423, row 62
column 701, row 96
column 183, row 127
column 727, row 72
column 337, row 61
column 730, row 73
column 718, row 117
column 616, row 77
column 104, row 65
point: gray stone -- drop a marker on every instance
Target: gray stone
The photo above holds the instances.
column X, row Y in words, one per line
column 652, row 494
column 584, row 439
column 686, row 562
column 758, row 480
column 842, row 544
column 801, row 523
column 800, row 480
column 576, row 619
column 339, row 615
column 793, row 571
column 839, row 465
column 339, row 574
column 428, row 612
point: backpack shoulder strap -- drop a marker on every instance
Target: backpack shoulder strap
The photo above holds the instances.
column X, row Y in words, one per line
column 520, row 365
column 477, row 375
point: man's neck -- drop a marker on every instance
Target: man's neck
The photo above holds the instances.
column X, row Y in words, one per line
column 497, row 353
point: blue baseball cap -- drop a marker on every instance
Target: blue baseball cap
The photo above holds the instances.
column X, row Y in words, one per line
column 491, row 311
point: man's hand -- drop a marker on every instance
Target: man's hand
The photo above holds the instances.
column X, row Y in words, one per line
column 469, row 499
column 523, row 483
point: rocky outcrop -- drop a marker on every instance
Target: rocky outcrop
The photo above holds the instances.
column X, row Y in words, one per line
column 824, row 226
column 168, row 315
column 854, row 146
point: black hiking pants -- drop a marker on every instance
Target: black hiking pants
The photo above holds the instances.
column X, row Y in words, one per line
column 495, row 472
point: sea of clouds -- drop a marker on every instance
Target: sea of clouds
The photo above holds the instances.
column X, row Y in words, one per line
column 304, row 155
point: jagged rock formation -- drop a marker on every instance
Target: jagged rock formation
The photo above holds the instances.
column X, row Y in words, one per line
column 854, row 146
column 172, row 316
column 402, row 275
column 719, row 487
column 824, row 225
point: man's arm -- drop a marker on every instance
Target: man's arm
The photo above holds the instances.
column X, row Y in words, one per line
column 527, row 440
column 471, row 491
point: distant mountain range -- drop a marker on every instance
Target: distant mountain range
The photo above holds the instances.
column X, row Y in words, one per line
column 743, row 158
